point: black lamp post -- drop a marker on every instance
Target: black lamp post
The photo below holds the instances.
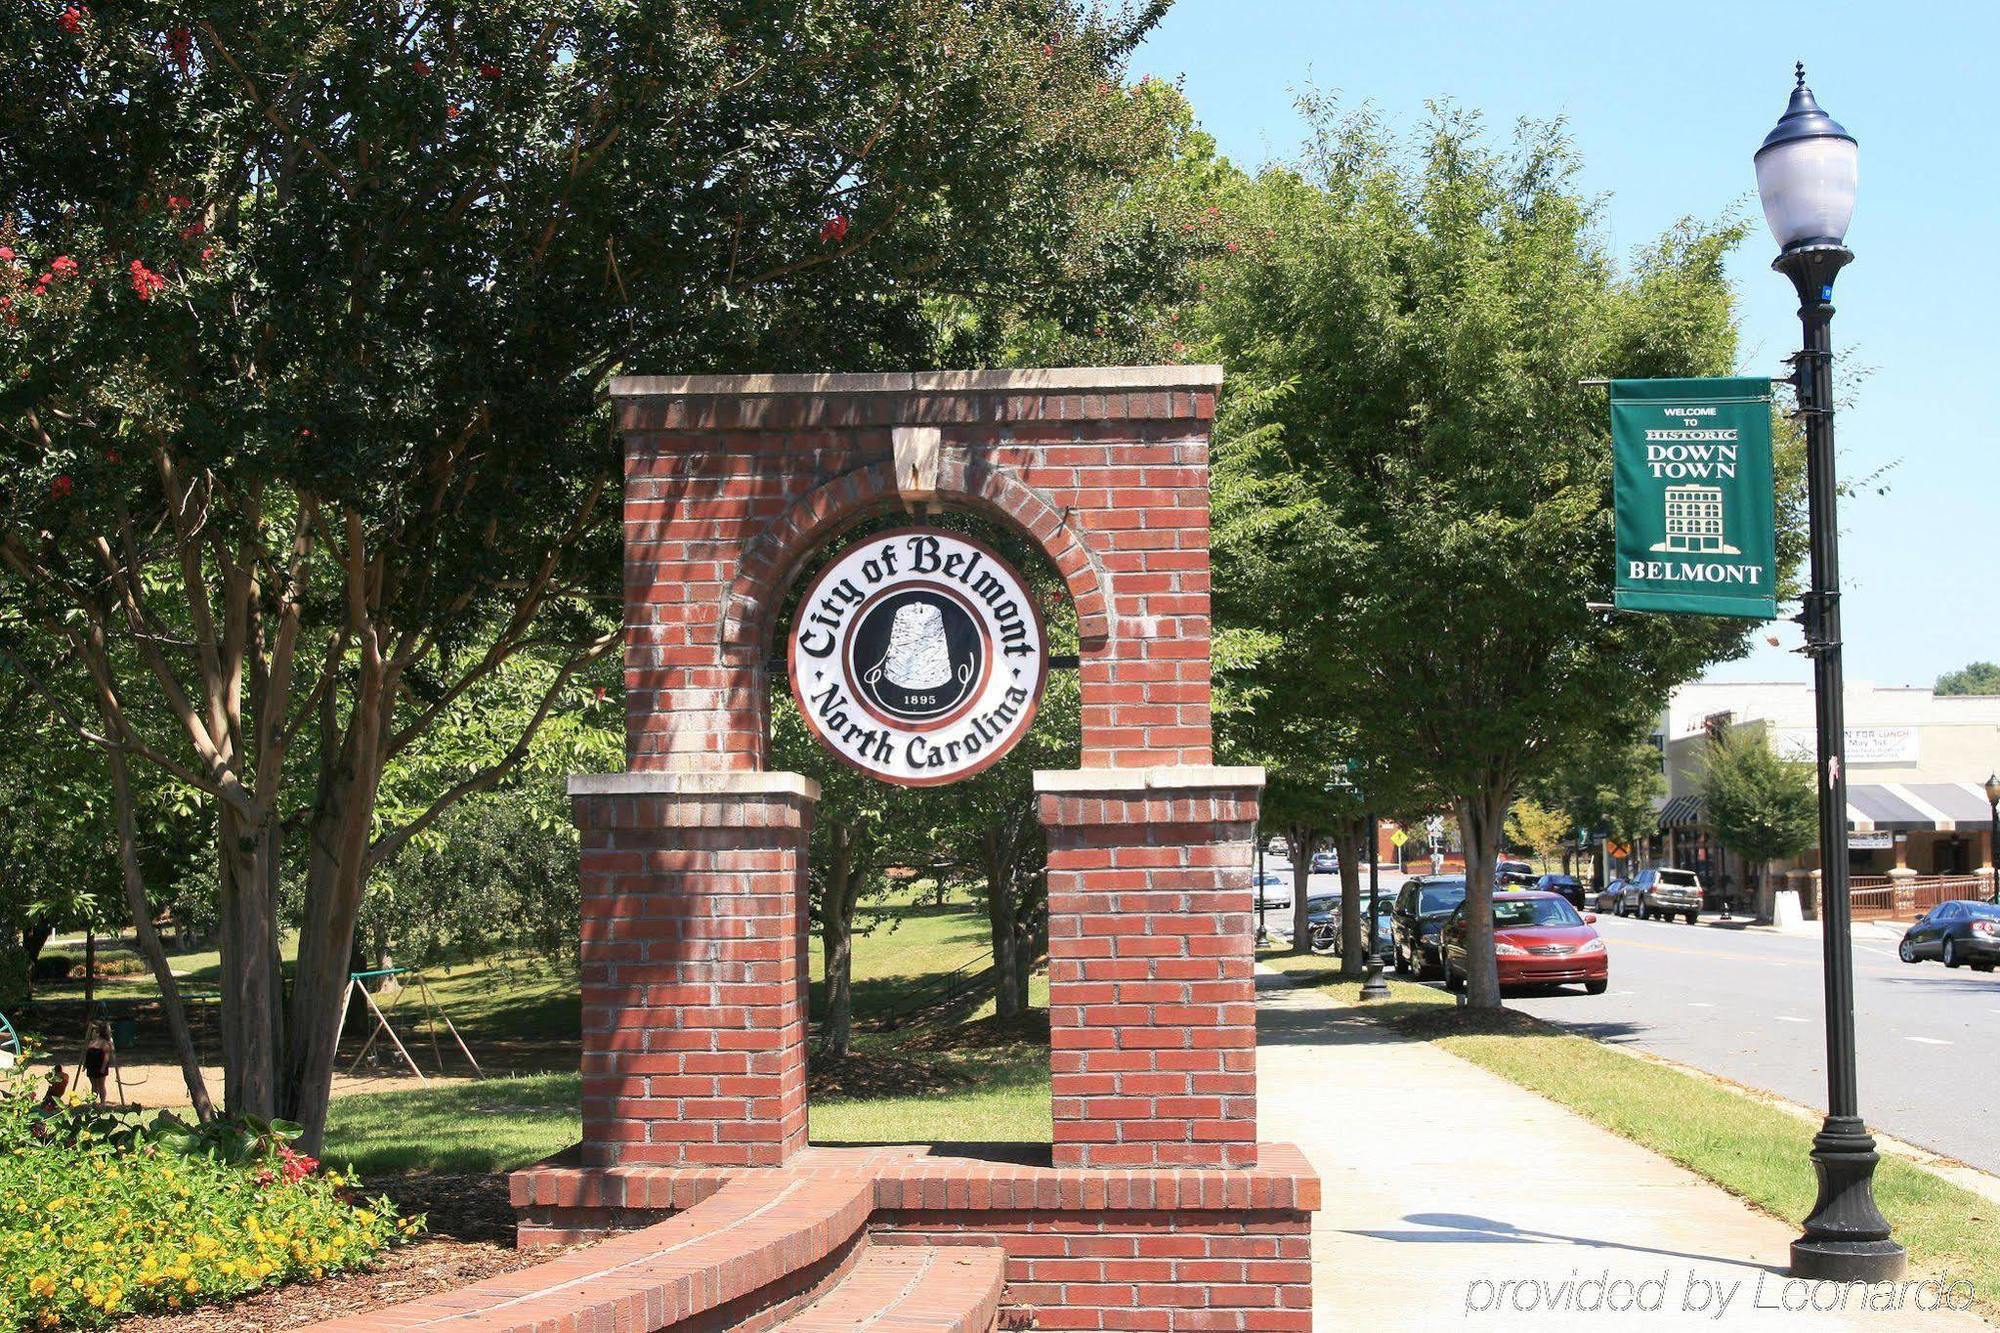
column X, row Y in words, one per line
column 1806, row 174
column 1993, row 831
column 1372, row 985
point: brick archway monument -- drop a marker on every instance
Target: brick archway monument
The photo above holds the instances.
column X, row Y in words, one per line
column 695, row 939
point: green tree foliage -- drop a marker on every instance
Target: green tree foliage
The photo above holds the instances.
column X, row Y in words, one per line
column 1973, row 678
column 308, row 310
column 1760, row 806
column 1413, row 320
column 1605, row 783
column 1536, row 827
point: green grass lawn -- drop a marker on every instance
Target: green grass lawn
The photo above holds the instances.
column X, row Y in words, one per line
column 1748, row 1147
column 953, row 1074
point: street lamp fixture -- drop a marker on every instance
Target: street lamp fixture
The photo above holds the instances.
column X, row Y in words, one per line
column 1807, row 168
column 1993, row 831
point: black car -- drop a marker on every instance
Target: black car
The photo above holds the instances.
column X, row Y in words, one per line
column 1566, row 885
column 1958, row 932
column 1421, row 907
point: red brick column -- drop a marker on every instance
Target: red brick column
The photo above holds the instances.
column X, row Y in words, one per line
column 694, row 980
column 1152, row 998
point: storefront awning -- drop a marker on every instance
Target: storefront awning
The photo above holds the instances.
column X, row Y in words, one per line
column 1872, row 807
column 1683, row 812
column 1942, row 806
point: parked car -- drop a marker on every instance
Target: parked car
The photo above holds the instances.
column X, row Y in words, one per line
column 1325, row 863
column 1566, row 885
column 1538, row 940
column 1385, row 924
column 1272, row 889
column 1611, row 895
column 1664, row 893
column 1513, row 872
column 1322, row 921
column 1958, row 932
column 1421, row 907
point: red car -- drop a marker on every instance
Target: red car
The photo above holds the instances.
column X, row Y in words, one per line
column 1539, row 940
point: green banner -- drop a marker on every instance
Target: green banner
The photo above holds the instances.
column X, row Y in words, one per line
column 1693, row 497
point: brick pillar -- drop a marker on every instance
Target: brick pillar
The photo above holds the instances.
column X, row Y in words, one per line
column 1152, row 997
column 694, row 974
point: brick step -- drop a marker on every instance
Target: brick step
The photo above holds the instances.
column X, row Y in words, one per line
column 911, row 1289
column 762, row 1240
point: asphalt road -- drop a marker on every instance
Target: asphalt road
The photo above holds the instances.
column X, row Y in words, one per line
column 1746, row 1004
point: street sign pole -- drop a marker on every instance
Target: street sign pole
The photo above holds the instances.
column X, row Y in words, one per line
column 1373, row 987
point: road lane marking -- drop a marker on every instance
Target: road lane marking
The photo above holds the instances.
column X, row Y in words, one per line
column 1787, row 1018
column 1929, row 1041
column 1699, row 1004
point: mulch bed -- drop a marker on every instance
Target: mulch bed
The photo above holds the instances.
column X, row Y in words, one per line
column 470, row 1237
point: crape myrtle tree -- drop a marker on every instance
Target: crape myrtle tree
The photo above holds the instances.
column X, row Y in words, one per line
column 1416, row 318
column 1761, row 806
column 306, row 313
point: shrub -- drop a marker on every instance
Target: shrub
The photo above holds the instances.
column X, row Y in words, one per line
column 103, row 1215
column 52, row 967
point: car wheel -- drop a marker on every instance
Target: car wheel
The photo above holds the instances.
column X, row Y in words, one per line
column 1950, row 954
column 1982, row 967
column 1452, row 981
column 1907, row 951
column 1402, row 964
column 1596, row 987
column 1692, row 916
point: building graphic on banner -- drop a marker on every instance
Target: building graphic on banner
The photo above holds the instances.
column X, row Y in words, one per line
column 1694, row 521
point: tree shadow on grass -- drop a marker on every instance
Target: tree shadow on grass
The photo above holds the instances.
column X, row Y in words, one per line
column 1409, row 1019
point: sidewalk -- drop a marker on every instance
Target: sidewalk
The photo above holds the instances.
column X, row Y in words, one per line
column 1443, row 1181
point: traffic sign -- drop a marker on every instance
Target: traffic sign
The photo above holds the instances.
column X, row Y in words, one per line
column 1398, row 838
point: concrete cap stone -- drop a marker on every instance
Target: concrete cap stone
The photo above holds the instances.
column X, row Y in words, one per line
column 1166, row 777
column 693, row 784
column 1066, row 379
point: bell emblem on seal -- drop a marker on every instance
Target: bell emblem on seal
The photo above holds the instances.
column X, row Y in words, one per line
column 918, row 656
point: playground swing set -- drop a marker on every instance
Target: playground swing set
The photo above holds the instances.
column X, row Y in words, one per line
column 406, row 980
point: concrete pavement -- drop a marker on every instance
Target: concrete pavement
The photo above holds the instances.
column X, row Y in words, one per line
column 1442, row 1182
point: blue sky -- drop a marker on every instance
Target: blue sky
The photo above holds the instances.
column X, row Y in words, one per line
column 1666, row 107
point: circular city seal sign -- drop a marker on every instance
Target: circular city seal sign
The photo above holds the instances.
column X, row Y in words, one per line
column 918, row 656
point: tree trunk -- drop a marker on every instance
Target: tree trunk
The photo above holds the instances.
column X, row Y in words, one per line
column 340, row 831
column 1479, row 820
column 336, row 877
column 148, row 938
column 836, row 935
column 34, row 935
column 1300, row 839
column 252, row 1026
column 1767, row 894
column 1348, row 837
column 996, row 854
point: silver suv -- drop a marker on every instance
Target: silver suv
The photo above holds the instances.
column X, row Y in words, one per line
column 1662, row 893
